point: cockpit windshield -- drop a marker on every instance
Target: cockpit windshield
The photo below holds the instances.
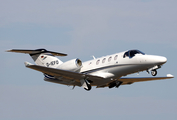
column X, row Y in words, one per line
column 132, row 53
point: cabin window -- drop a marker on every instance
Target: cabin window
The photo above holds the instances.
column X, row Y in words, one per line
column 115, row 58
column 104, row 60
column 109, row 59
column 98, row 61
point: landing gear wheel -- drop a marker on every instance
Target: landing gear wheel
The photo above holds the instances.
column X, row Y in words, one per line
column 89, row 87
column 154, row 72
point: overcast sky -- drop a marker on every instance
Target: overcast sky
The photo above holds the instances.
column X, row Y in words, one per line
column 82, row 28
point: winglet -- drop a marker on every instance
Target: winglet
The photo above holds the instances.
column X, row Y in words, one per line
column 27, row 64
column 170, row 76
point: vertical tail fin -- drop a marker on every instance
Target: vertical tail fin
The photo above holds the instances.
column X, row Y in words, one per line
column 42, row 57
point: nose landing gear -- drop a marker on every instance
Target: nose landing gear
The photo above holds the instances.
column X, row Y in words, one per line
column 153, row 72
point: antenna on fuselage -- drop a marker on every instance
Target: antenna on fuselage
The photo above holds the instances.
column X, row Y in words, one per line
column 94, row 57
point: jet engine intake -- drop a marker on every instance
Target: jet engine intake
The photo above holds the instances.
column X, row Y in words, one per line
column 72, row 65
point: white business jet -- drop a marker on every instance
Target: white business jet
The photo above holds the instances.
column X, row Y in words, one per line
column 107, row 71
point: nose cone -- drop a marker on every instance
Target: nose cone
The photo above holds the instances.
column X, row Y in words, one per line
column 162, row 59
column 155, row 60
column 159, row 59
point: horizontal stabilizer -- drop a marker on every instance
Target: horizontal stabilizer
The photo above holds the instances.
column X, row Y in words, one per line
column 37, row 51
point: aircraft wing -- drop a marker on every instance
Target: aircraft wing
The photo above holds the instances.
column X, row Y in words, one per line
column 142, row 79
column 67, row 75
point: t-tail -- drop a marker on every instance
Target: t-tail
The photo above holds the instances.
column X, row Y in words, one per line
column 42, row 57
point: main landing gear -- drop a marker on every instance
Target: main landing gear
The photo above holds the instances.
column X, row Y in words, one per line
column 115, row 84
column 85, row 84
column 89, row 87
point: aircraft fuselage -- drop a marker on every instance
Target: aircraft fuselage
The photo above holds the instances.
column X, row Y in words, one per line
column 118, row 65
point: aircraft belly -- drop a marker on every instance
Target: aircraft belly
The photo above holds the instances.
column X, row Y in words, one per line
column 124, row 70
column 119, row 70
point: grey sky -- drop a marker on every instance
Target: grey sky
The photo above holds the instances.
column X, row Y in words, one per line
column 84, row 28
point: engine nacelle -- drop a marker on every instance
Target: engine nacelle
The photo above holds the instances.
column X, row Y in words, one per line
column 72, row 65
